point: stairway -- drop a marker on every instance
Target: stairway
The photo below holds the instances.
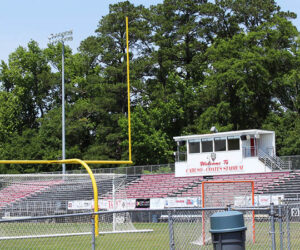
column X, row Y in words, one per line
column 273, row 162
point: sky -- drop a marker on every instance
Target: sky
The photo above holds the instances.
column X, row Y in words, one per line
column 23, row 20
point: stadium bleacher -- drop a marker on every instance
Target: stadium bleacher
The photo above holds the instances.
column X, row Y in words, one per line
column 289, row 185
column 167, row 185
column 59, row 192
column 50, row 197
column 18, row 191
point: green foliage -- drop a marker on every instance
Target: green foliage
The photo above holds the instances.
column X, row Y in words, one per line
column 287, row 128
column 193, row 63
column 161, row 170
column 150, row 145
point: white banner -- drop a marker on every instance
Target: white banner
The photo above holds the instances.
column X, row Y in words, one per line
column 264, row 200
column 243, row 201
column 80, row 205
column 259, row 200
column 157, row 203
column 102, row 204
column 118, row 204
column 182, row 202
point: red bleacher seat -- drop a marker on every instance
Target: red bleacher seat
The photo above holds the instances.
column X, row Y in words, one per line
column 16, row 191
column 164, row 185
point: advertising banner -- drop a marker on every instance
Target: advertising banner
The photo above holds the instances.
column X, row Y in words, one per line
column 142, row 203
column 118, row 204
column 80, row 205
column 182, row 202
column 157, row 203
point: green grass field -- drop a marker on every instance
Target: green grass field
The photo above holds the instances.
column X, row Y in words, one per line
column 184, row 235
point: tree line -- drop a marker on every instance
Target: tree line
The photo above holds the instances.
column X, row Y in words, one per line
column 232, row 64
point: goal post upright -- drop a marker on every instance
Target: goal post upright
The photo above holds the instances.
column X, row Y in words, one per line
column 251, row 186
column 129, row 161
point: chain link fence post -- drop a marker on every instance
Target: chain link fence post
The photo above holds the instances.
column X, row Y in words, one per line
column 280, row 225
column 93, row 232
column 287, row 212
column 171, row 230
column 272, row 231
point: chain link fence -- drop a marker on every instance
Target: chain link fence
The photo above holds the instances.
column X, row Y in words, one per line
column 48, row 232
column 272, row 227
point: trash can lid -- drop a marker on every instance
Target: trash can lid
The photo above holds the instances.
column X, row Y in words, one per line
column 225, row 222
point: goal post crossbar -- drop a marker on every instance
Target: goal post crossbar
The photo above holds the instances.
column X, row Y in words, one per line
column 251, row 183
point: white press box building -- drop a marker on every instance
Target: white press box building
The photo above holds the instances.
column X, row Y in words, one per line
column 234, row 152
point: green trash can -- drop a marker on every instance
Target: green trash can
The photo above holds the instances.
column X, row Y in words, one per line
column 228, row 230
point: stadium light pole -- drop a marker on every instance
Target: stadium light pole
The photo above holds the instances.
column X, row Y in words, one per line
column 62, row 38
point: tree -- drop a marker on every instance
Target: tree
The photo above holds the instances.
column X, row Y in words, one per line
column 10, row 113
column 106, row 54
column 28, row 70
column 150, row 145
column 286, row 125
column 244, row 72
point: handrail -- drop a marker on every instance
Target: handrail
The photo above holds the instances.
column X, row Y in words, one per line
column 268, row 160
column 273, row 161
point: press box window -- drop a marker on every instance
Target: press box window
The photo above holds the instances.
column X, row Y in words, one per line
column 233, row 143
column 194, row 147
column 220, row 144
column 207, row 145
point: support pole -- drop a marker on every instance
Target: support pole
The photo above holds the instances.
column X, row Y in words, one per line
column 93, row 233
column 272, row 231
column 287, row 214
column 63, row 136
column 280, row 226
column 114, row 203
column 171, row 230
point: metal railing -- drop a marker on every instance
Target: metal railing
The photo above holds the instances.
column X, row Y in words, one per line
column 294, row 163
column 180, row 156
column 274, row 162
column 249, row 152
column 293, row 159
column 131, row 170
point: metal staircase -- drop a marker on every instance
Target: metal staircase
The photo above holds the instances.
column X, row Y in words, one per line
column 273, row 162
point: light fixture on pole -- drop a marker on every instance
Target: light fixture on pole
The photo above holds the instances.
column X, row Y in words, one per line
column 62, row 38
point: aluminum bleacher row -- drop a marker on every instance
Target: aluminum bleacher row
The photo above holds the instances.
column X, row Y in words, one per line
column 167, row 185
column 19, row 197
column 139, row 186
column 289, row 186
column 17, row 191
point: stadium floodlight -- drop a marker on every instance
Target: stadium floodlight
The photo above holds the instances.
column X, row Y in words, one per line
column 62, row 38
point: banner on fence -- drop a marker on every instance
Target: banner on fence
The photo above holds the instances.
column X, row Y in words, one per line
column 266, row 200
column 117, row 204
column 182, row 202
column 80, row 205
column 142, row 203
column 157, row 203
